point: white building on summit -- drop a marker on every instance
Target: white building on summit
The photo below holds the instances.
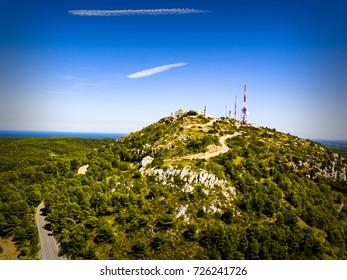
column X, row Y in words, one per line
column 178, row 113
column 181, row 112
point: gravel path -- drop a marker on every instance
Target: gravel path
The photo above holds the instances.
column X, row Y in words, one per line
column 208, row 155
column 341, row 207
column 83, row 169
column 202, row 125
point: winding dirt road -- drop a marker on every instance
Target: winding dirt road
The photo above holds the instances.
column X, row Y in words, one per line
column 208, row 155
column 83, row 169
column 49, row 246
column 341, row 207
column 202, row 125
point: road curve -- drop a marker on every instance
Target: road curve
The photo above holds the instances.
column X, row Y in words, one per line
column 49, row 246
column 207, row 155
column 341, row 207
column 202, row 125
column 83, row 169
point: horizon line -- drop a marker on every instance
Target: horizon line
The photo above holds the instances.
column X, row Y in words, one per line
column 123, row 133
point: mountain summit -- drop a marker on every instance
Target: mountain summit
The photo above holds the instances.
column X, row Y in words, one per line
column 191, row 187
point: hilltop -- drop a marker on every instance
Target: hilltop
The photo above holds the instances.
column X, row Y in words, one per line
column 195, row 187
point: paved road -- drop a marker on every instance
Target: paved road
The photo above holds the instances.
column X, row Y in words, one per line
column 49, row 246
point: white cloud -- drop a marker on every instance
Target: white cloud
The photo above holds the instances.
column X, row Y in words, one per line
column 155, row 70
column 97, row 84
column 150, row 12
column 58, row 92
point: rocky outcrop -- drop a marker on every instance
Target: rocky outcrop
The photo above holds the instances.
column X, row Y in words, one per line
column 333, row 169
column 220, row 191
column 149, row 149
column 146, row 160
column 186, row 179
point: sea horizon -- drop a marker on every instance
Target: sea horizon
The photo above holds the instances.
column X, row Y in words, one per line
column 328, row 140
column 40, row 134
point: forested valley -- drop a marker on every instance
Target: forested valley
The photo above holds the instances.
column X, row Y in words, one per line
column 28, row 169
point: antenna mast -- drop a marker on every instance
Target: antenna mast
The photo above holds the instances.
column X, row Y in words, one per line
column 244, row 109
column 235, row 111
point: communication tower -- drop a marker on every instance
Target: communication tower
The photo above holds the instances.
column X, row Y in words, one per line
column 244, row 120
column 235, row 117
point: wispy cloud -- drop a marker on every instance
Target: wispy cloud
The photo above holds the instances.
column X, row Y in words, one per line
column 76, row 84
column 141, row 12
column 97, row 84
column 77, row 79
column 58, row 92
column 155, row 70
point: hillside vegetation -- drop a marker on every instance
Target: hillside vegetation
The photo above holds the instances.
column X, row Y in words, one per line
column 28, row 168
column 269, row 196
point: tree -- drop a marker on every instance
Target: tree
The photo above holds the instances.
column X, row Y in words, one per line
column 138, row 250
column 191, row 232
column 104, row 234
column 228, row 216
column 165, row 221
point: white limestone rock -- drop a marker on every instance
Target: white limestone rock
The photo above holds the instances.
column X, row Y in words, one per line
column 181, row 211
column 188, row 188
column 146, row 160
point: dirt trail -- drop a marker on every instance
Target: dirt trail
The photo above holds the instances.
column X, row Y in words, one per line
column 208, row 155
column 202, row 125
column 83, row 169
column 341, row 207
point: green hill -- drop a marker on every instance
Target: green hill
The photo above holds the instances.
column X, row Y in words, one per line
column 200, row 188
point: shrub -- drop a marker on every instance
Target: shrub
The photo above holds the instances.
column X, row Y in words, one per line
column 192, row 113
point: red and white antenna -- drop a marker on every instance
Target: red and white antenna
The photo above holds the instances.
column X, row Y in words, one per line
column 244, row 109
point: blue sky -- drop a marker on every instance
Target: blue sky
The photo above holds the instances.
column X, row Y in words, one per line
column 88, row 65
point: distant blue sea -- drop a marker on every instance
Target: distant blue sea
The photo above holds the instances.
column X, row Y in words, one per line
column 37, row 134
column 330, row 141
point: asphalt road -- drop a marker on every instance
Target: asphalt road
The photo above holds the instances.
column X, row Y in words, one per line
column 49, row 246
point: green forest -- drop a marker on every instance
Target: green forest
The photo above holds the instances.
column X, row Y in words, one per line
column 270, row 196
column 28, row 168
